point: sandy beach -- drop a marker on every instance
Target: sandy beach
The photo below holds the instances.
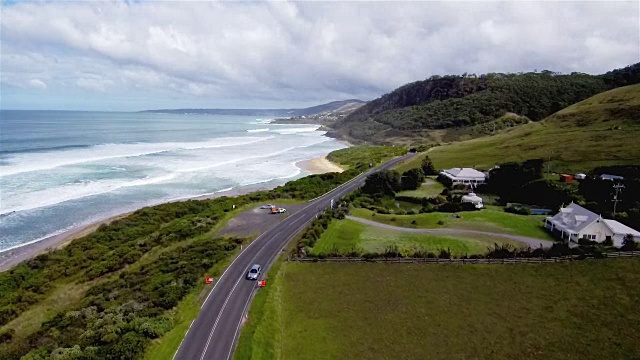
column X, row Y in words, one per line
column 319, row 165
column 10, row 258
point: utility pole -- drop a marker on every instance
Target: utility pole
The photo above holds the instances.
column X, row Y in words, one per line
column 618, row 188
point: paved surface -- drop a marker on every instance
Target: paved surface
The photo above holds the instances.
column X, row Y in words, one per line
column 256, row 221
column 533, row 242
column 214, row 332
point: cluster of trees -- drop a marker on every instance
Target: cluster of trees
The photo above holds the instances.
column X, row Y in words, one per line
column 118, row 317
column 460, row 101
column 524, row 183
column 109, row 249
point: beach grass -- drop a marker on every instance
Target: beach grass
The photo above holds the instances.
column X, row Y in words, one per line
column 573, row 310
column 365, row 154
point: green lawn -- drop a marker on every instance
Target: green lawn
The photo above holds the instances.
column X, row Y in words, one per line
column 346, row 236
column 491, row 220
column 429, row 188
column 574, row 310
column 351, row 156
column 411, row 163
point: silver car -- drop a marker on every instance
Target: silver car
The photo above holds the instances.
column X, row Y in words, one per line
column 254, row 272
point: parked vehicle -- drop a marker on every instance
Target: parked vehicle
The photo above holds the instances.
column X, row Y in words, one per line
column 278, row 210
column 268, row 206
column 254, row 272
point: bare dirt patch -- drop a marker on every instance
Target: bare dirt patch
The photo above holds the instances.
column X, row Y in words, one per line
column 256, row 221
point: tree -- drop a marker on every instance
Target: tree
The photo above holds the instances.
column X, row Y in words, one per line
column 427, row 167
column 382, row 183
column 629, row 243
column 508, row 179
column 412, row 179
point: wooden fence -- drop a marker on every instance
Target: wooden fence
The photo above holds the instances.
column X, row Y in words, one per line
column 468, row 261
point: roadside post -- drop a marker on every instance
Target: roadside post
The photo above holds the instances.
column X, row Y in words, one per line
column 262, row 283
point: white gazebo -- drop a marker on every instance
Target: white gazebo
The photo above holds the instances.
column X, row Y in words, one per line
column 473, row 199
column 464, row 176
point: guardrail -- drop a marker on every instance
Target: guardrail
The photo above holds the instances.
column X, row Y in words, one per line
column 617, row 254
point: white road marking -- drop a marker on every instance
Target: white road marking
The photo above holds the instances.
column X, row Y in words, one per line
column 228, row 267
column 204, row 352
column 244, row 311
column 184, row 337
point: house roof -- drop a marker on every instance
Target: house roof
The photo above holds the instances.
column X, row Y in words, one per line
column 611, row 177
column 619, row 228
column 464, row 173
column 574, row 218
column 471, row 197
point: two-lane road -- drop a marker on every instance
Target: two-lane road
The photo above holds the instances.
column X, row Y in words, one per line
column 214, row 332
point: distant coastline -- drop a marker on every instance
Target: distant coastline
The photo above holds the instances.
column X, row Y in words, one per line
column 13, row 256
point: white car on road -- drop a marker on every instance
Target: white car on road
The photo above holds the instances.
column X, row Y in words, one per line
column 254, row 272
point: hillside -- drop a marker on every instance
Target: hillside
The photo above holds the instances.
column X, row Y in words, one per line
column 343, row 106
column 601, row 130
column 449, row 107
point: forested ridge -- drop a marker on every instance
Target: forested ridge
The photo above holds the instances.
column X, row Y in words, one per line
column 457, row 101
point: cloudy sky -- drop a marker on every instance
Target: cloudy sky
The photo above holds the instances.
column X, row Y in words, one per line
column 132, row 55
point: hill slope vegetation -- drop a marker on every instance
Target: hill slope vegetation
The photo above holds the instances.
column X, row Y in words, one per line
column 413, row 111
column 601, row 130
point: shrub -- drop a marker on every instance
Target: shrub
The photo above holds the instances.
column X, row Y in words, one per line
column 629, row 243
column 440, row 222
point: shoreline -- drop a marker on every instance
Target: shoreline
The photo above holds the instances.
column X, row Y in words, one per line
column 11, row 257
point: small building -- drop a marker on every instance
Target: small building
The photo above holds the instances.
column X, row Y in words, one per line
column 580, row 176
column 464, row 176
column 566, row 178
column 574, row 222
column 611, row 177
column 473, row 199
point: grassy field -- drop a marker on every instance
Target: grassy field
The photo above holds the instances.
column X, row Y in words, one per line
column 429, row 188
column 346, row 236
column 491, row 219
column 365, row 154
column 576, row 139
column 578, row 310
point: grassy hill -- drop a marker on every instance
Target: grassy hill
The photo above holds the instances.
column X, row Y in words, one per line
column 602, row 130
column 573, row 310
column 452, row 107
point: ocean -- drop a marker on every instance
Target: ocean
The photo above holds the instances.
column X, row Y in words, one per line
column 61, row 169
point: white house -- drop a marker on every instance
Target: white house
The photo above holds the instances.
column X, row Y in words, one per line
column 464, row 176
column 575, row 222
column 474, row 199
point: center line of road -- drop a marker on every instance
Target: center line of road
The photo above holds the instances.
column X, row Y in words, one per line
column 204, row 352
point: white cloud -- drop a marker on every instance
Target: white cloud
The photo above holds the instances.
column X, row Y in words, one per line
column 38, row 84
column 94, row 83
column 304, row 51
